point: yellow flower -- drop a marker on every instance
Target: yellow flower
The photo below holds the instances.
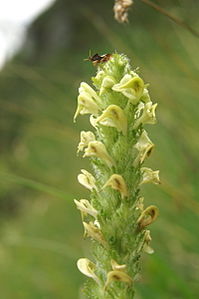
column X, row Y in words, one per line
column 148, row 115
column 85, row 138
column 117, row 275
column 86, row 105
column 144, row 147
column 94, row 232
column 148, row 216
column 84, row 87
column 87, row 180
column 98, row 149
column 88, row 100
column 85, row 207
column 114, row 116
column 117, row 182
column 131, row 87
column 87, row 267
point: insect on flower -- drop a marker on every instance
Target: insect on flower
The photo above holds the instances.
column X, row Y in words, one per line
column 96, row 58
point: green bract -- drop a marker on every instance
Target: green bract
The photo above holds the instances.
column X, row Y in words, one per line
column 115, row 217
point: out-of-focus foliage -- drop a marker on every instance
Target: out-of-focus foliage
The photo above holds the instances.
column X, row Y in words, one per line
column 41, row 233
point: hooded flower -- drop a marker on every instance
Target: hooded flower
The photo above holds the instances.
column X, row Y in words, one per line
column 85, row 138
column 87, row 180
column 144, row 147
column 148, row 115
column 117, row 275
column 94, row 232
column 113, row 116
column 87, row 101
column 130, row 87
column 87, row 267
column 85, row 207
column 98, row 149
column 84, row 87
column 148, row 216
column 117, row 182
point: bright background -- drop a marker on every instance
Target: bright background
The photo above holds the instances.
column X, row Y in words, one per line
column 41, row 231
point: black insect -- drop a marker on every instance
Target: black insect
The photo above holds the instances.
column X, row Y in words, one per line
column 96, row 59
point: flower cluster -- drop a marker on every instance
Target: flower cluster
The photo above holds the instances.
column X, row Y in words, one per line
column 114, row 217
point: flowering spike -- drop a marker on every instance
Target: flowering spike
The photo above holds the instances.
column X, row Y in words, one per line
column 119, row 107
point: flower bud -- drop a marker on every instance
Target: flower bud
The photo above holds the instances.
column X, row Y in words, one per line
column 85, row 207
column 144, row 147
column 148, row 115
column 131, row 87
column 107, row 83
column 98, row 149
column 117, row 182
column 114, row 116
column 85, row 138
column 87, row 180
column 148, row 216
column 147, row 240
column 149, row 176
column 87, row 267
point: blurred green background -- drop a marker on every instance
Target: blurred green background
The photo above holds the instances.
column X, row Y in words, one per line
column 41, row 231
